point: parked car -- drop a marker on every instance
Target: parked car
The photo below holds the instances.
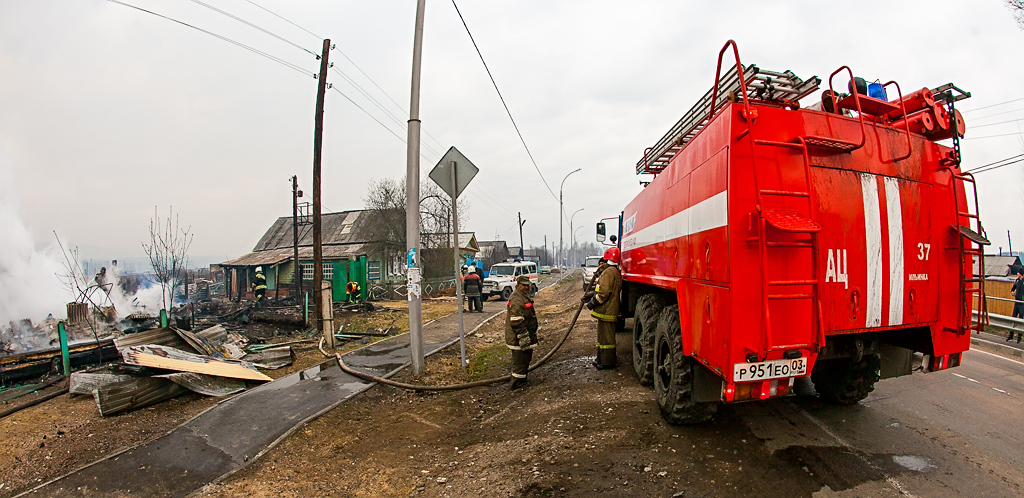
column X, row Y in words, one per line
column 501, row 280
column 544, row 270
column 589, row 267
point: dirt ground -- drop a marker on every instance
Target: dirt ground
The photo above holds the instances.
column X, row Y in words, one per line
column 574, row 431
column 60, row 435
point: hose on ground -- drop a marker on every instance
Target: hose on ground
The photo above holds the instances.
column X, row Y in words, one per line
column 466, row 385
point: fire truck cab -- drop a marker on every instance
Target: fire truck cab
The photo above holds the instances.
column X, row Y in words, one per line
column 776, row 242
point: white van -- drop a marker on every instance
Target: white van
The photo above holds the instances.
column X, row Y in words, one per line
column 501, row 280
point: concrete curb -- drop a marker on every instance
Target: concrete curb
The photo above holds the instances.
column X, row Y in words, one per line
column 997, row 348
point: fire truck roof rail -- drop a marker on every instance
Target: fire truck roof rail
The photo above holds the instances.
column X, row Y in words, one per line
column 761, row 83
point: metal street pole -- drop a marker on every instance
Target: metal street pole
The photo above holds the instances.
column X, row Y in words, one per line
column 561, row 216
column 297, row 275
column 412, row 210
column 571, row 232
column 458, row 272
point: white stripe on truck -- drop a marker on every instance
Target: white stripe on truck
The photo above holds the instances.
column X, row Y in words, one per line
column 895, row 211
column 712, row 212
column 873, row 251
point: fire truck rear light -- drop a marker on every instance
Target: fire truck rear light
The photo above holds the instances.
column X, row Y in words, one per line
column 766, row 389
column 774, row 389
column 729, row 394
column 954, row 360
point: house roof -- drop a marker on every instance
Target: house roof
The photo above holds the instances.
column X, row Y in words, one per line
column 346, row 227
column 468, row 243
column 998, row 266
column 344, row 234
column 488, row 247
column 276, row 256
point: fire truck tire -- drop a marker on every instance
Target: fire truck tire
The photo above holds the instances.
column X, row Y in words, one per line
column 845, row 382
column 673, row 374
column 645, row 323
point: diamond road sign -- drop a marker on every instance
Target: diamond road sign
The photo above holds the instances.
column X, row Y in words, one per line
column 464, row 172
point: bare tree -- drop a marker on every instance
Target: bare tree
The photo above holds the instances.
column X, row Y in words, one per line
column 168, row 252
column 385, row 203
column 1017, row 9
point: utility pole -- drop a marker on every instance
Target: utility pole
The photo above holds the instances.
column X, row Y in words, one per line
column 318, row 252
column 297, row 276
column 1010, row 241
column 546, row 250
column 521, row 249
column 412, row 193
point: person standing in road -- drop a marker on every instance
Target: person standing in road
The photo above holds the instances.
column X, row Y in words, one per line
column 521, row 331
column 604, row 301
column 1018, row 294
column 471, row 287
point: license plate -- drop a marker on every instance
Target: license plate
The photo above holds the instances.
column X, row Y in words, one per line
column 773, row 369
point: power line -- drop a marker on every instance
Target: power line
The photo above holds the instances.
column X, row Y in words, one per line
column 997, row 164
column 998, row 114
column 285, row 20
column 993, row 105
column 1018, row 134
column 367, row 113
column 224, row 38
column 999, row 123
column 514, row 125
column 247, row 23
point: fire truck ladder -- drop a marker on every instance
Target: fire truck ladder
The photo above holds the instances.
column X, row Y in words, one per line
column 790, row 221
column 973, row 286
column 770, row 85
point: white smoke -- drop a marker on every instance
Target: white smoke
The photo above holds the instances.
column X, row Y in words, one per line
column 29, row 286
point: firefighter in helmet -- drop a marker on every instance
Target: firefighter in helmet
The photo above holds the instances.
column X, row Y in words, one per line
column 521, row 330
column 353, row 291
column 604, row 301
column 259, row 287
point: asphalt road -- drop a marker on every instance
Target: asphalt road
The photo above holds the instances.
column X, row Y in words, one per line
column 952, row 433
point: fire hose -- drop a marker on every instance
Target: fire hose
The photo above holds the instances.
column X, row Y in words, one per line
column 466, row 385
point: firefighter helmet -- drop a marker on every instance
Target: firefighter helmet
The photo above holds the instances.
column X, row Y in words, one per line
column 259, row 269
column 612, row 255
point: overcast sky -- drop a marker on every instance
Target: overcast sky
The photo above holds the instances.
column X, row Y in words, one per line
column 106, row 112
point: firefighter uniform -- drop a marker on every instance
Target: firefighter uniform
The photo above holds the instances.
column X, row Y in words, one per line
column 259, row 287
column 521, row 330
column 353, row 291
column 605, row 306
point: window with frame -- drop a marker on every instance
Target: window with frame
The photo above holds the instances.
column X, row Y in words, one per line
column 373, row 270
column 307, row 271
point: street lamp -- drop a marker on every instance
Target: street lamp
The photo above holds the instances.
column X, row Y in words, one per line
column 572, row 251
column 561, row 215
column 571, row 230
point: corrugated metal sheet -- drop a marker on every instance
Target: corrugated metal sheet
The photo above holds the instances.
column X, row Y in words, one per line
column 346, row 227
column 164, row 336
column 277, row 256
column 135, row 393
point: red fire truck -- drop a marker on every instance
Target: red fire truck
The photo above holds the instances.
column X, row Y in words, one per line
column 777, row 241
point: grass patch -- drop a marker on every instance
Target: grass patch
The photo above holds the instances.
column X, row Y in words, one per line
column 487, row 360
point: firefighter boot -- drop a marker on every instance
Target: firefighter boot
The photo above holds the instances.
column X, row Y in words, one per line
column 1009, row 336
column 605, row 345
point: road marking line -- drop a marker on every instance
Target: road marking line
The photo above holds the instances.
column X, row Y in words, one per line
column 958, row 375
column 860, row 455
column 997, row 356
column 1000, row 390
column 972, row 380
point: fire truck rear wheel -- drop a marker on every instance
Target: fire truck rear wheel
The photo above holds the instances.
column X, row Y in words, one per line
column 844, row 381
column 673, row 374
column 645, row 323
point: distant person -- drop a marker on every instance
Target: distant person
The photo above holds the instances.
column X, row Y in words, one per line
column 1018, row 294
column 354, row 291
column 471, row 287
column 521, row 331
column 259, row 287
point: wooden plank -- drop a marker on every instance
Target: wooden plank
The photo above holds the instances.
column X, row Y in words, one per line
column 172, row 359
column 135, row 393
column 85, row 383
column 206, row 384
column 164, row 336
